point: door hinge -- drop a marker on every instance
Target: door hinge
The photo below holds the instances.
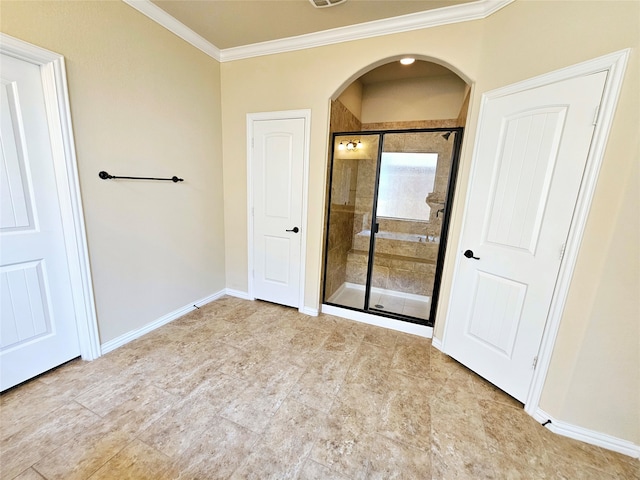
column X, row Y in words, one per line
column 562, row 249
column 252, row 142
column 253, row 212
column 535, row 362
column 595, row 116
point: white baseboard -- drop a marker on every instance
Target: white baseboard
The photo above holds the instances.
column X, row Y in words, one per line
column 378, row 321
column 245, row 296
column 169, row 317
column 237, row 293
column 437, row 343
column 313, row 312
column 588, row 436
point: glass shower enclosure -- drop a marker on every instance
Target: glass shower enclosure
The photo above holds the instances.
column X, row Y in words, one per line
column 387, row 220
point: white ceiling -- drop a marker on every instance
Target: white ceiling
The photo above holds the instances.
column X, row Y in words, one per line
column 234, row 23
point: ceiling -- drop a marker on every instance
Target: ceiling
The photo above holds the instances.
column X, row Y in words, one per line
column 234, row 23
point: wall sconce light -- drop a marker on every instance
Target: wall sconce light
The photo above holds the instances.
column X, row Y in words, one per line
column 350, row 145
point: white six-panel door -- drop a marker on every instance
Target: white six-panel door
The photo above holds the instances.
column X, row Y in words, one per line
column 529, row 161
column 37, row 317
column 277, row 176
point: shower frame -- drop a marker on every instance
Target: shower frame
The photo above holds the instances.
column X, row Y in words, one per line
column 444, row 232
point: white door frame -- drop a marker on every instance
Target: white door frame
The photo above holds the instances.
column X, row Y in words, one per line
column 615, row 64
column 56, row 97
column 281, row 115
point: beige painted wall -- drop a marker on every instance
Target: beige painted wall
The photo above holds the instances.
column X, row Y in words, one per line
column 427, row 98
column 522, row 40
column 352, row 99
column 143, row 102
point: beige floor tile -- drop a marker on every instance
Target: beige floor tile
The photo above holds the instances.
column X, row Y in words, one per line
column 137, row 413
column 77, row 376
column 256, row 390
column 107, row 396
column 321, row 381
column 29, row 474
column 458, row 443
column 512, row 433
column 84, row 454
column 565, row 468
column 254, row 406
column 136, row 461
column 574, row 451
column 217, row 453
column 370, row 367
column 183, row 424
column 17, row 409
column 380, row 336
column 194, row 369
column 412, row 358
column 23, row 449
column 457, row 389
column 625, row 466
column 345, row 439
column 487, row 391
column 406, row 414
column 390, row 460
column 343, row 338
column 285, row 444
column 344, row 449
column 244, row 363
column 314, row 471
column 240, row 311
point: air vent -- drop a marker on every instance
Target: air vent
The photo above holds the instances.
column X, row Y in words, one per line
column 326, row 3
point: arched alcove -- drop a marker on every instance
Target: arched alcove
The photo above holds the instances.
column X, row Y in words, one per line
column 387, row 210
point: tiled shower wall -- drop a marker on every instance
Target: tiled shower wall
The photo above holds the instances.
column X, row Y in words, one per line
column 343, row 199
column 401, row 265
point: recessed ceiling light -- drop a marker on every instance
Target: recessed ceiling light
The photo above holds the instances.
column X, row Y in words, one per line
column 407, row 61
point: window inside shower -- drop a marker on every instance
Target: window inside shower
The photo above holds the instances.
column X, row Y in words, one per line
column 387, row 220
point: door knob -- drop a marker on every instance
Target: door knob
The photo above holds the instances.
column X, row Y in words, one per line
column 294, row 230
column 469, row 254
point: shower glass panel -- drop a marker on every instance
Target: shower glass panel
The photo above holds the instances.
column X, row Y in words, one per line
column 387, row 220
column 353, row 179
column 414, row 173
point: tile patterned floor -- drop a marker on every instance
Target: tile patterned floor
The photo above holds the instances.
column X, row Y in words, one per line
column 250, row 390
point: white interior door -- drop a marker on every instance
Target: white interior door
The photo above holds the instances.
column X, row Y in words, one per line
column 37, row 323
column 529, row 161
column 277, row 161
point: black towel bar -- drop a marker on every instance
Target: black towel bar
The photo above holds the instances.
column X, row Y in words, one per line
column 105, row 176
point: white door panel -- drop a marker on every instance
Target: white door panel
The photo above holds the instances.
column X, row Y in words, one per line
column 530, row 158
column 277, row 167
column 38, row 324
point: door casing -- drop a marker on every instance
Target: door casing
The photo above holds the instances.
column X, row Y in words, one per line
column 54, row 81
column 279, row 115
column 615, row 65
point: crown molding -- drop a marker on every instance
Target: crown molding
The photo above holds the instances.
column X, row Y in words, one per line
column 404, row 23
column 158, row 15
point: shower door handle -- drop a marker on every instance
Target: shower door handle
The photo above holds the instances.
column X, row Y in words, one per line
column 294, row 230
column 469, row 254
